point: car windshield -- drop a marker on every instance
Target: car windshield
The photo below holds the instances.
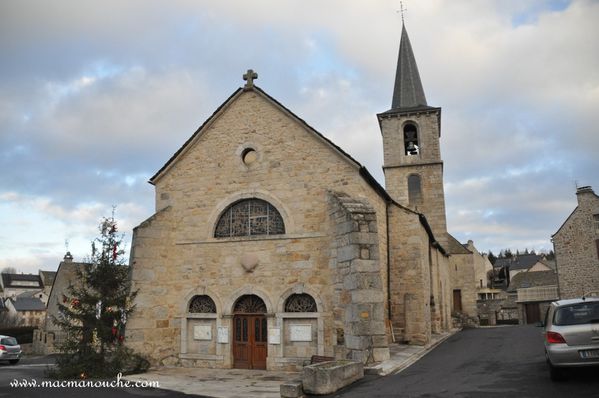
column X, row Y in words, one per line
column 577, row 314
column 9, row 341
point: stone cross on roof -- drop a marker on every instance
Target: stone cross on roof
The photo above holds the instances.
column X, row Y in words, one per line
column 249, row 78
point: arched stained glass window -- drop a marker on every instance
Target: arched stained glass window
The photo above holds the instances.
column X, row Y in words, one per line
column 249, row 217
column 202, row 304
column 300, row 303
column 249, row 304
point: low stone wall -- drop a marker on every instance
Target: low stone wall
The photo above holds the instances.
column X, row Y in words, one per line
column 328, row 377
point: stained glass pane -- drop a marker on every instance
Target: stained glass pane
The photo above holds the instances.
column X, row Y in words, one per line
column 223, row 228
column 240, row 219
column 259, row 225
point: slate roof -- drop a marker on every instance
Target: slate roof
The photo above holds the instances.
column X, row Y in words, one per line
column 408, row 91
column 523, row 261
column 9, row 279
column 48, row 277
column 455, row 247
column 28, row 304
column 30, row 293
column 532, row 279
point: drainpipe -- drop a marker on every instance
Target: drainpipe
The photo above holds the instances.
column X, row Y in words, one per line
column 388, row 264
column 559, row 293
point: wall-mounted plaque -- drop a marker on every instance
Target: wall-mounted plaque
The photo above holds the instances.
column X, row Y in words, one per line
column 300, row 332
column 222, row 335
column 274, row 336
column 202, row 332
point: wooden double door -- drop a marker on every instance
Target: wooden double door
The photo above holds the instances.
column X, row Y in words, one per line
column 249, row 341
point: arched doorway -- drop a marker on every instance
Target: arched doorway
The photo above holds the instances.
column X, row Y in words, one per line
column 249, row 333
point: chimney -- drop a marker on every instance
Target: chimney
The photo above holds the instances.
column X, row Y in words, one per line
column 68, row 258
column 583, row 193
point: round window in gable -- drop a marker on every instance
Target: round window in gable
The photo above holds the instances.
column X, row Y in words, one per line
column 249, row 156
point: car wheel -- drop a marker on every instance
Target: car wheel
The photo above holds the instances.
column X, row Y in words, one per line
column 13, row 361
column 556, row 374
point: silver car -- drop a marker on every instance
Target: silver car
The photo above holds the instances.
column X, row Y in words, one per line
column 10, row 350
column 571, row 335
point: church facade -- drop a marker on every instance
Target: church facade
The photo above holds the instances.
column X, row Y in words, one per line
column 270, row 244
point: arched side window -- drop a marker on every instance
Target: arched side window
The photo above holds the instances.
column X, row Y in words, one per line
column 410, row 140
column 202, row 304
column 249, row 217
column 414, row 189
column 300, row 303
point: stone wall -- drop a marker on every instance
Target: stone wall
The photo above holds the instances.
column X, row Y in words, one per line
column 577, row 248
column 410, row 277
column 502, row 310
column 463, row 278
column 359, row 300
column 441, row 292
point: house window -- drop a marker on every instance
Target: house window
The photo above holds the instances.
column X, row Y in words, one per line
column 414, row 189
column 202, row 304
column 596, row 222
column 410, row 139
column 300, row 303
column 249, row 217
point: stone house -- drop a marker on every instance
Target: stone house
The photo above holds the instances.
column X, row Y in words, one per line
column 469, row 273
column 271, row 244
column 15, row 284
column 49, row 334
column 576, row 247
column 30, row 310
column 533, row 291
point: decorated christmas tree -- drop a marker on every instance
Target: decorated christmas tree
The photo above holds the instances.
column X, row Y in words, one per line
column 93, row 313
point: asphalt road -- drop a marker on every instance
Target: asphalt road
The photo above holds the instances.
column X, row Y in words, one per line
column 33, row 369
column 489, row 362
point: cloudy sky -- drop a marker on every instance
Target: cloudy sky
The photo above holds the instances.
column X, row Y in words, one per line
column 95, row 96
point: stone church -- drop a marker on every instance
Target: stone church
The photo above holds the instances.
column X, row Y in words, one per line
column 271, row 244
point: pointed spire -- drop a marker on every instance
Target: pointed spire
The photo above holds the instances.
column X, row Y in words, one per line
column 408, row 91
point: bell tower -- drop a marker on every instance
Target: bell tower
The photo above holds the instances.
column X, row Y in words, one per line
column 411, row 131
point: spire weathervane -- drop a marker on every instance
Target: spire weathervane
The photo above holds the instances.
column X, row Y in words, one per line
column 249, row 78
column 402, row 10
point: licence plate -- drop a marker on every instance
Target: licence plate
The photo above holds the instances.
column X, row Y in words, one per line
column 589, row 354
